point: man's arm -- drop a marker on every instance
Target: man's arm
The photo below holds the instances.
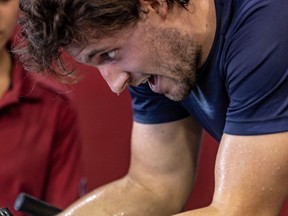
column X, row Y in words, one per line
column 159, row 181
column 251, row 176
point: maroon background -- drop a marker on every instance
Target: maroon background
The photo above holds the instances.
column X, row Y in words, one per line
column 105, row 121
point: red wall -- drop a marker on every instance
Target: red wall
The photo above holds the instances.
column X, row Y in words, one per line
column 105, row 121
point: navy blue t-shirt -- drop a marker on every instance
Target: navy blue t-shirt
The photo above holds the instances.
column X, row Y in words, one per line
column 242, row 89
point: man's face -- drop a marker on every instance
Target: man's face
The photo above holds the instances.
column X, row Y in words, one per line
column 164, row 57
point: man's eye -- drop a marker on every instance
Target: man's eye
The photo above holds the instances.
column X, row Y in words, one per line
column 111, row 54
column 108, row 56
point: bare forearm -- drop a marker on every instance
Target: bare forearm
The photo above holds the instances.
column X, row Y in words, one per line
column 160, row 176
column 121, row 197
column 207, row 211
column 229, row 209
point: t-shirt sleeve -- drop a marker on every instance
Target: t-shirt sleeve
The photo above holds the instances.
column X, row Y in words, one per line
column 256, row 68
column 151, row 108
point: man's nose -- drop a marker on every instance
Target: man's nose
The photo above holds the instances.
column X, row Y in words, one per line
column 116, row 79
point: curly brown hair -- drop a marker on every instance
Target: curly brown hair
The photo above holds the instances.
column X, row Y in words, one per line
column 48, row 26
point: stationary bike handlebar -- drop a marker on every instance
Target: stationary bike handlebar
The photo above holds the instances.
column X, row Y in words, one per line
column 5, row 212
column 33, row 206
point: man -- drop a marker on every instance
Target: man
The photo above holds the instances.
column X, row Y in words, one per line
column 220, row 65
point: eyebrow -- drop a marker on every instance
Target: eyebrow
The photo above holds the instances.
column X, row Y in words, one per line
column 88, row 56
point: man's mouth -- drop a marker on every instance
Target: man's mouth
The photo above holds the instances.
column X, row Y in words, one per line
column 154, row 84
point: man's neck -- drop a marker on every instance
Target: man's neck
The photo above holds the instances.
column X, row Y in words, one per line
column 202, row 25
column 5, row 71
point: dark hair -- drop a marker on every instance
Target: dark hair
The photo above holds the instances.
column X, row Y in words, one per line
column 48, row 26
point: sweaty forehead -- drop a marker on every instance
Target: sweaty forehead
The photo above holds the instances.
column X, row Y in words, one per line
column 79, row 51
column 98, row 42
column 76, row 46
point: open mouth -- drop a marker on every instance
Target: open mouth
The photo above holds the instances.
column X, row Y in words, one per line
column 153, row 82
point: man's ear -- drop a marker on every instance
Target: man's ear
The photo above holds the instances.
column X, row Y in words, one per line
column 159, row 6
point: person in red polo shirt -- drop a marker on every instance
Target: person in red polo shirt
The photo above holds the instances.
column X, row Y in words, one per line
column 39, row 138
